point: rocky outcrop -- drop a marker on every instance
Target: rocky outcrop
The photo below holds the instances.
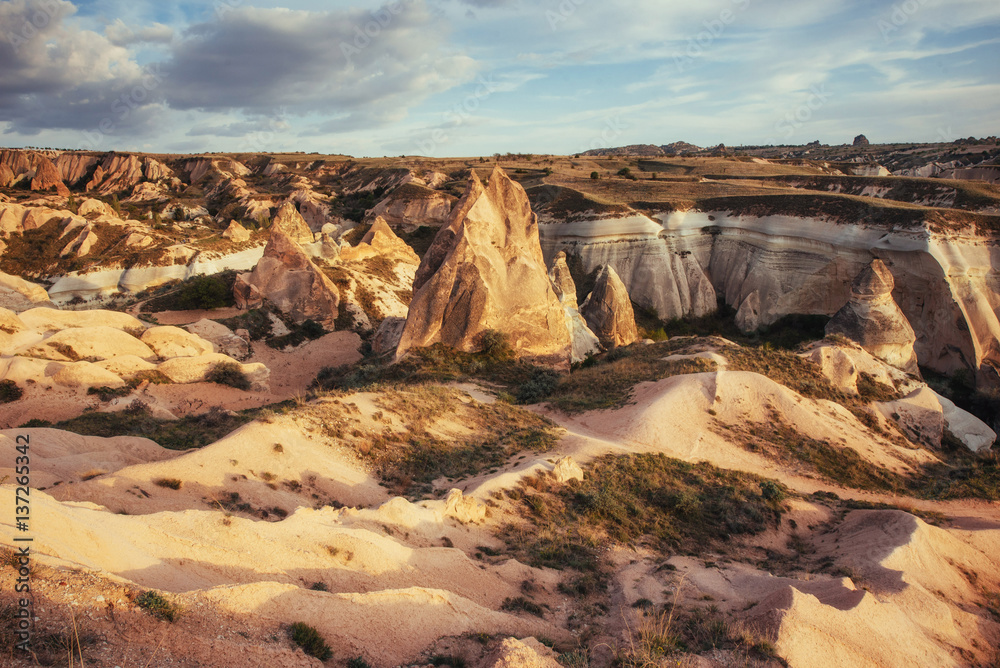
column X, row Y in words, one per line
column 483, row 271
column 380, row 241
column 411, row 206
column 861, row 140
column 287, row 278
column 583, row 340
column 95, row 208
column 292, row 224
column 90, row 343
column 874, row 320
column 524, row 653
column 196, row 369
column 74, row 167
column 224, row 339
column 236, row 233
column 6, row 176
column 168, row 342
column 47, row 177
column 156, row 170
column 118, row 172
column 608, row 310
column 19, row 295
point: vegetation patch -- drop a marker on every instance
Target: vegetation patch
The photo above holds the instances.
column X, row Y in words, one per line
column 411, row 460
column 9, row 391
column 105, row 393
column 309, row 639
column 191, row 431
column 648, row 499
column 157, row 605
column 168, row 483
column 229, row 373
column 256, row 321
column 200, row 292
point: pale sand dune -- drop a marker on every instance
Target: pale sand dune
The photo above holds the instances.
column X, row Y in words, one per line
column 385, row 596
column 268, row 465
column 59, row 456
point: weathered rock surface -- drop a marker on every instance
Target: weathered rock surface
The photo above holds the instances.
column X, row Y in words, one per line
column 388, row 335
column 583, row 340
column 84, row 343
column 168, row 342
column 525, row 653
column 236, row 233
column 567, row 469
column 290, row 221
column 96, row 208
column 50, row 319
column 48, row 177
column 195, row 369
column 224, row 339
column 875, row 321
column 608, row 310
column 485, row 270
column 287, row 278
column 17, row 294
column 6, row 176
column 412, row 206
column 380, row 241
column 86, row 375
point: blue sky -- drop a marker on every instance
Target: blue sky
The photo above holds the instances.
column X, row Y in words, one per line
column 474, row 77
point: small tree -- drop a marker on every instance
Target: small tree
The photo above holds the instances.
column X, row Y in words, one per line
column 595, row 176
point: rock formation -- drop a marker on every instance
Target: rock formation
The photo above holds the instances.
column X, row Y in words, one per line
column 293, row 224
column 236, row 233
column 608, row 310
column 168, row 342
column 411, row 206
column 861, row 140
column 19, row 295
column 483, row 271
column 6, row 176
column 583, row 340
column 287, row 278
column 380, row 240
column 873, row 320
column 47, row 177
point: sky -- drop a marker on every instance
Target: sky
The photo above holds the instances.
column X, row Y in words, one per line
column 477, row 77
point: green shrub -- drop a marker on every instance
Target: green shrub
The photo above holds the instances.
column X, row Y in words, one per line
column 595, row 176
column 158, row 606
column 495, row 345
column 9, row 391
column 358, row 662
column 310, row 641
column 169, row 483
column 105, row 393
column 541, row 384
column 229, row 373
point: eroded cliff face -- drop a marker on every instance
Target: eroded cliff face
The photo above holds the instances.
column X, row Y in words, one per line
column 770, row 266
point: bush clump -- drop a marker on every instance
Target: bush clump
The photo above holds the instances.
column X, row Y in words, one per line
column 9, row 391
column 311, row 642
column 229, row 373
column 155, row 604
column 169, row 483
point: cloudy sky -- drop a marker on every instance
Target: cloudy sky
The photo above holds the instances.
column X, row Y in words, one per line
column 474, row 77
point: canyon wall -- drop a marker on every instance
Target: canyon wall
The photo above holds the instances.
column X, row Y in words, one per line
column 770, row 266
